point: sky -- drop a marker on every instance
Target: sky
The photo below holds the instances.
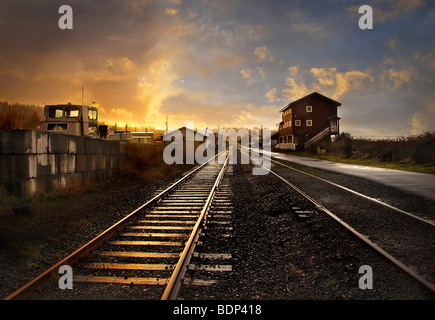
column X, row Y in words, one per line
column 223, row 63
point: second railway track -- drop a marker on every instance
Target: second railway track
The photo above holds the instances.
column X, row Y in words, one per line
column 404, row 238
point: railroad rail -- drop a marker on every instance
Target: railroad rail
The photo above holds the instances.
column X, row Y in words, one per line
column 364, row 238
column 159, row 228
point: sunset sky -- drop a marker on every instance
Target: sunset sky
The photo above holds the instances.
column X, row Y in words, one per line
column 224, row 63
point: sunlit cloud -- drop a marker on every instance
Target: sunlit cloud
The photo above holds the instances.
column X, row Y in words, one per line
column 327, row 80
column 171, row 11
column 263, row 53
column 400, row 77
column 424, row 120
column 246, row 74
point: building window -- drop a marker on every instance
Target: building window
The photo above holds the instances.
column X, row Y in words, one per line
column 297, row 123
column 309, row 109
column 309, row 123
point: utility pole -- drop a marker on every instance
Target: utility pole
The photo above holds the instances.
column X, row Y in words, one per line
column 166, row 124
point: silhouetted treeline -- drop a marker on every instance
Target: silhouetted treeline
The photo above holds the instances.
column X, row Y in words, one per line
column 20, row 116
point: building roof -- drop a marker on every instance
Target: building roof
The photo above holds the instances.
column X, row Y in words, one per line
column 291, row 104
column 184, row 130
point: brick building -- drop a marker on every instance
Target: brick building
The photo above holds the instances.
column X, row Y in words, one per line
column 308, row 120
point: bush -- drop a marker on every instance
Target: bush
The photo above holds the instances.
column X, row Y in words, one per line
column 417, row 149
column 341, row 147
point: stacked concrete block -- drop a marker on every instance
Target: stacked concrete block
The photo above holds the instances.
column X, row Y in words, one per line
column 34, row 161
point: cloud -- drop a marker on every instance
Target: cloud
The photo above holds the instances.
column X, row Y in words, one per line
column 327, row 80
column 158, row 85
column 351, row 80
column 294, row 71
column 326, row 77
column 392, row 43
column 263, row 53
column 122, row 112
column 261, row 72
column 119, row 65
column 423, row 120
column 294, row 90
column 246, row 74
column 171, row 11
column 401, row 77
column 272, row 95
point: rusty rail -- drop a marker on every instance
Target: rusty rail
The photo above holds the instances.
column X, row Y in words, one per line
column 48, row 276
column 175, row 282
column 361, row 236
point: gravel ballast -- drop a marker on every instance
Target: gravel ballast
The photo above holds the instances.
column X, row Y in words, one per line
column 276, row 255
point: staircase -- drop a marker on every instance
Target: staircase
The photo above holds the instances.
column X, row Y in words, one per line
column 318, row 137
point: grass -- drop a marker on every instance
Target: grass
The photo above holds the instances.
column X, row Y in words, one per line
column 413, row 153
column 421, row 168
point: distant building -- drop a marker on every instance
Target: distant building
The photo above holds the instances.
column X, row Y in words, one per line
column 142, row 137
column 187, row 134
column 308, row 120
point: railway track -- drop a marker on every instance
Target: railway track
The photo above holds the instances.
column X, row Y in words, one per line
column 153, row 246
column 419, row 260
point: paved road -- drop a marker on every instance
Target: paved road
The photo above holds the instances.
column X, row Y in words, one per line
column 417, row 183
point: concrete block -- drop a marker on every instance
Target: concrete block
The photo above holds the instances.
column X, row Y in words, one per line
column 65, row 163
column 83, row 163
column 98, row 162
column 45, row 164
column 115, row 162
column 92, row 146
column 89, row 177
column 42, row 184
column 123, row 148
column 109, row 162
column 73, row 180
column 76, row 145
column 28, row 187
column 24, row 142
column 57, row 181
column 57, row 143
column 115, row 147
column 105, row 146
column 41, row 141
column 19, row 167
column 5, row 167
